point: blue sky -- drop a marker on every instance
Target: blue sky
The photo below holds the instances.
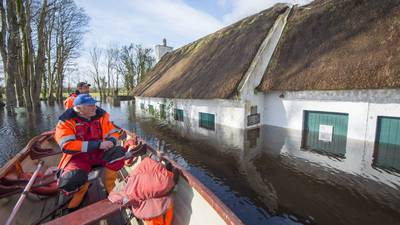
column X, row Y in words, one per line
column 147, row 22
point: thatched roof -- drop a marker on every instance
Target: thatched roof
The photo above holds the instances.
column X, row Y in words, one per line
column 213, row 66
column 338, row 45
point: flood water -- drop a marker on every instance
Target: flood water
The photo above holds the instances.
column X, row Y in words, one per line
column 262, row 175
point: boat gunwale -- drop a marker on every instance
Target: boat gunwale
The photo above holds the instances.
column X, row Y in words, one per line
column 222, row 210
column 21, row 155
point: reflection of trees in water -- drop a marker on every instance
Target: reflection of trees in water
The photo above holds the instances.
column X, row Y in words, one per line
column 18, row 127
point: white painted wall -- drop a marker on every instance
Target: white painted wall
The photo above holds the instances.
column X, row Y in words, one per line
column 287, row 114
column 229, row 114
column 288, row 111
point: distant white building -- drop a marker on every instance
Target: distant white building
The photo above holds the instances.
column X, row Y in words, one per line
column 328, row 73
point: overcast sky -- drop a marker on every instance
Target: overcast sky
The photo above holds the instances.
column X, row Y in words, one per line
column 147, row 22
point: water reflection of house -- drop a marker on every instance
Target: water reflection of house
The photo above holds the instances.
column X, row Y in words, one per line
column 329, row 70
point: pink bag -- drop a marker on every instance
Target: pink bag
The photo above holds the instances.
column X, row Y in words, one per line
column 147, row 190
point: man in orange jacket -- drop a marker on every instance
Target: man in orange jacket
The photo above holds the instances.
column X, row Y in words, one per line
column 82, row 88
column 87, row 138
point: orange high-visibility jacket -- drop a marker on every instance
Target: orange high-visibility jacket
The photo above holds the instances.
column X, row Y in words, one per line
column 70, row 144
column 69, row 102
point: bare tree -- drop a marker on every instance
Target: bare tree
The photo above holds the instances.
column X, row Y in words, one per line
column 1, row 85
column 136, row 61
column 9, row 50
column 128, row 67
column 111, row 61
column 69, row 28
column 27, row 66
column 95, row 58
column 40, row 63
column 144, row 61
column 48, row 80
column 38, row 39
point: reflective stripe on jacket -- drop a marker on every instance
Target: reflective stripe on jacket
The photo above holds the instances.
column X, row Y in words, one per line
column 70, row 144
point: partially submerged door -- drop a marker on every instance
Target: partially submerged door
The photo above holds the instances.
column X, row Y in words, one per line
column 325, row 132
column 387, row 150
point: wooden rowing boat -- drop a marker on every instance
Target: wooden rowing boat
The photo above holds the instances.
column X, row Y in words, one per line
column 194, row 203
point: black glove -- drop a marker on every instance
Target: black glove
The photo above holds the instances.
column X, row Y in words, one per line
column 114, row 154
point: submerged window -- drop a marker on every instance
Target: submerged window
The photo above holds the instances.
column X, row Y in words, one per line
column 151, row 109
column 179, row 114
column 142, row 105
column 162, row 111
column 387, row 150
column 325, row 132
column 207, row 121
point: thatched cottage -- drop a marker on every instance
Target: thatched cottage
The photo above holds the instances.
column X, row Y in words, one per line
column 330, row 70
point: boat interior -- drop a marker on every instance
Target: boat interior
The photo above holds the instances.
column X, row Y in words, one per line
column 44, row 204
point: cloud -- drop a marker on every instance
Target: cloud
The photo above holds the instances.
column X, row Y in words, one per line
column 146, row 22
column 244, row 8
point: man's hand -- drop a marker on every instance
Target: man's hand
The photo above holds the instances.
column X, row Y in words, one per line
column 106, row 145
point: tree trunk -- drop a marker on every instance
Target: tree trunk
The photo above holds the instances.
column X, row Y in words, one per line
column 18, row 81
column 26, row 51
column 40, row 59
column 117, row 85
column 108, row 80
column 51, row 99
column 12, row 59
column 18, row 84
column 4, row 56
column 60, row 79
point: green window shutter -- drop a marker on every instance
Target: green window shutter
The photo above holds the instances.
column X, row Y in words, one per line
column 207, row 121
column 142, row 105
column 162, row 111
column 151, row 109
column 387, row 148
column 178, row 114
column 332, row 139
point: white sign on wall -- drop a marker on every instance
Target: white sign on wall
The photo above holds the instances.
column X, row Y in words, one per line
column 325, row 133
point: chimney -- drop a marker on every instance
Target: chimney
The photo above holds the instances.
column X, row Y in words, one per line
column 161, row 50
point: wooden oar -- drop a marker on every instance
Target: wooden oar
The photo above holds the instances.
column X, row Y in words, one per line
column 23, row 195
